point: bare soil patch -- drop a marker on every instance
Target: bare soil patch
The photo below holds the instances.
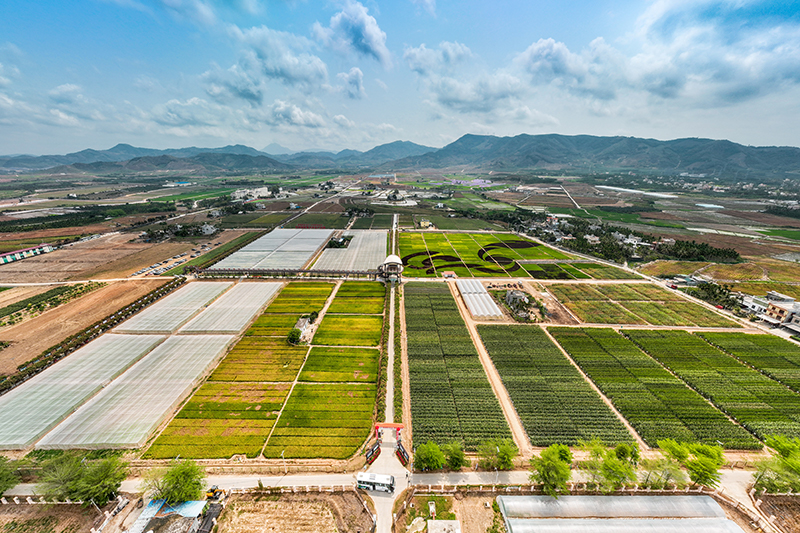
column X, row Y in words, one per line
column 32, row 337
column 765, row 218
column 54, row 233
column 672, row 268
column 295, row 513
column 472, row 512
column 48, row 518
column 786, row 510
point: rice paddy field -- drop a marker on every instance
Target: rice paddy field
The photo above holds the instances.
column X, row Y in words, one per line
column 639, row 304
column 428, row 254
column 270, row 397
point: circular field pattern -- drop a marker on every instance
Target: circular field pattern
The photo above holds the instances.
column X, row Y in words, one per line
column 492, row 261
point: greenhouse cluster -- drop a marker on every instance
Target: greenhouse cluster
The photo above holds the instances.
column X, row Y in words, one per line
column 281, row 248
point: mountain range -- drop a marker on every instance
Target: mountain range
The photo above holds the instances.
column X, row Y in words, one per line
column 552, row 151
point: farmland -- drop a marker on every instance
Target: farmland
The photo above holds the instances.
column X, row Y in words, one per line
column 354, row 328
column 451, row 398
column 656, row 403
column 635, row 304
column 777, row 358
column 319, row 220
column 280, row 248
column 359, row 298
column 428, row 254
column 760, row 404
column 250, row 404
column 553, row 400
column 366, row 251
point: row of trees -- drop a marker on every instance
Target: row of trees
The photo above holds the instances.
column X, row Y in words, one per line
column 92, row 479
column 495, row 454
column 610, row 469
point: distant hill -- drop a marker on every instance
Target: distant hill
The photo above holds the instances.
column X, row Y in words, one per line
column 120, row 152
column 693, row 155
column 126, row 152
column 201, row 162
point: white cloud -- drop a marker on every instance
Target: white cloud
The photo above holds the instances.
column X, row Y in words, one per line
column 427, row 5
column 192, row 112
column 287, row 114
column 353, row 83
column 354, row 29
column 235, row 83
column 427, row 61
column 197, row 11
column 279, row 55
column 344, row 122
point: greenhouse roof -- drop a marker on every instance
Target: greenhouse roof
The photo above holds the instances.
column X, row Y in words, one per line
column 610, row 507
column 623, row 525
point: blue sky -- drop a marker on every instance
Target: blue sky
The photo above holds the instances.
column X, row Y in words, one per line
column 355, row 74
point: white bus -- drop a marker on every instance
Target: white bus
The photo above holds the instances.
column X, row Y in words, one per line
column 377, row 482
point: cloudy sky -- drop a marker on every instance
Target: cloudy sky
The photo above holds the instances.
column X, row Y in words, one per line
column 354, row 74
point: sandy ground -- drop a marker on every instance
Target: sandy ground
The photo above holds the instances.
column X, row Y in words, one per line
column 32, row 337
column 295, row 513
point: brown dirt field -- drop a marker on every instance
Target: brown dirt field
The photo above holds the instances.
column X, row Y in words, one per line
column 16, row 294
column 672, row 268
column 328, row 207
column 780, row 270
column 295, row 513
column 765, row 218
column 740, row 272
column 548, row 200
column 55, row 232
column 32, row 337
column 786, row 510
column 48, row 518
column 472, row 513
column 743, row 245
column 149, row 254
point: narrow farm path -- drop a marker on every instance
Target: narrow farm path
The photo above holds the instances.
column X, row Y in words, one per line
column 500, row 392
column 642, row 444
column 389, row 417
column 406, row 377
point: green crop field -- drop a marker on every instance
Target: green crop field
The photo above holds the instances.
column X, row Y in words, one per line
column 656, row 403
column 759, row 403
column 451, row 398
column 268, row 325
column 323, row 220
column 553, row 401
column 261, row 359
column 301, row 297
column 341, row 365
column 635, row 304
column 268, row 221
column 362, row 223
column 330, row 421
column 222, row 419
column 359, row 297
column 349, row 330
column 482, row 254
column 777, row 358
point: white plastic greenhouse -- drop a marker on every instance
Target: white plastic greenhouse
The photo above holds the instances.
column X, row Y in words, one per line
column 124, row 414
column 167, row 315
column 614, row 514
column 281, row 248
column 477, row 298
column 232, row 311
column 34, row 407
column 366, row 251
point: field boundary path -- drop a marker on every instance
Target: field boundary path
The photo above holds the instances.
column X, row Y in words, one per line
column 512, row 418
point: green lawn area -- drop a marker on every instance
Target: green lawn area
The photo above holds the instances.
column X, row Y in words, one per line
column 349, row 330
